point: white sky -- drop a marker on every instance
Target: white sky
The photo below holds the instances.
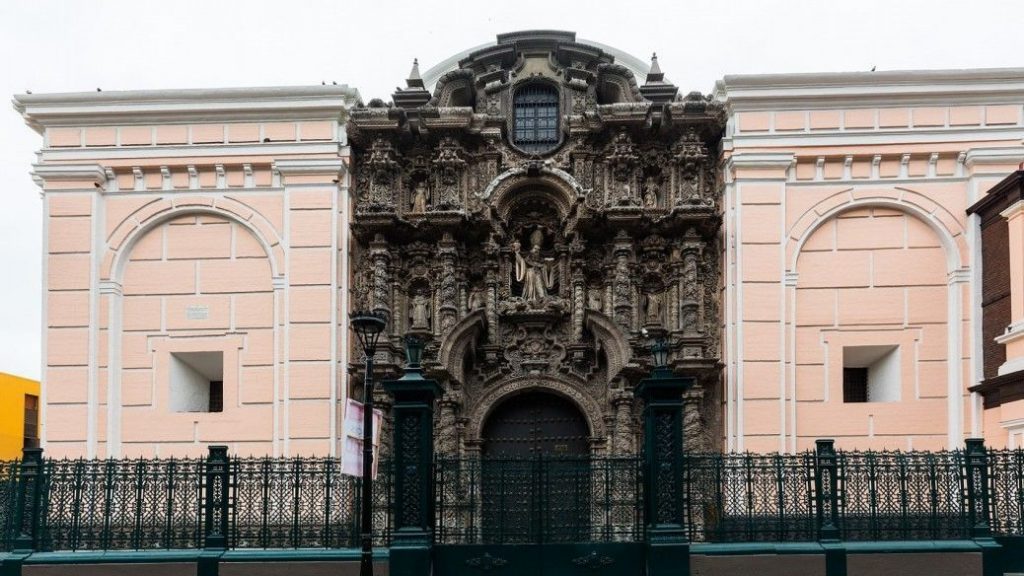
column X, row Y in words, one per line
column 61, row 46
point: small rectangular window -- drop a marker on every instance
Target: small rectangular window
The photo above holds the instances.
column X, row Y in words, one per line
column 871, row 373
column 197, row 381
column 216, row 396
column 31, row 421
column 855, row 384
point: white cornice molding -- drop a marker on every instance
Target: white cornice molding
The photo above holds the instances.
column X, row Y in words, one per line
column 1013, row 210
column 862, row 89
column 1000, row 155
column 270, row 149
column 191, row 105
column 312, row 166
column 780, row 160
column 89, row 173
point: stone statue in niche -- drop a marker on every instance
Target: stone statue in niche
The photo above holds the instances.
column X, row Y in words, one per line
column 650, row 192
column 652, row 312
column 419, row 198
column 533, row 270
column 476, row 300
column 594, row 299
column 420, row 311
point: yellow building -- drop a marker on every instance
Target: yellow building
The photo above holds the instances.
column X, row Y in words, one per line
column 19, row 414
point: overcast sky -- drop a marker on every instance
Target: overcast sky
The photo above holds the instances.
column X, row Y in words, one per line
column 63, row 46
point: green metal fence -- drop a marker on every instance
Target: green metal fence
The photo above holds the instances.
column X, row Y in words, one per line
column 277, row 503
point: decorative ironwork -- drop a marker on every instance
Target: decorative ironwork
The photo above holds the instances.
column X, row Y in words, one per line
column 122, row 504
column 153, row 504
column 9, row 471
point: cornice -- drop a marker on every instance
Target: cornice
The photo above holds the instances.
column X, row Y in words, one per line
column 88, row 173
column 810, row 91
column 189, row 105
column 309, row 167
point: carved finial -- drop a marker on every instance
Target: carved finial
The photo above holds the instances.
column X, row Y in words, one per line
column 655, row 88
column 415, row 80
column 655, row 68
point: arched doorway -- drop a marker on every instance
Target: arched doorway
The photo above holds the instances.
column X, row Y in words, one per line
column 535, row 423
column 535, row 471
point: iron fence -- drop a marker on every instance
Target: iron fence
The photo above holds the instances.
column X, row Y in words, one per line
column 140, row 504
column 302, row 503
column 9, row 470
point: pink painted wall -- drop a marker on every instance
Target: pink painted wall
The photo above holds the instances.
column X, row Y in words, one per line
column 846, row 227
column 213, row 245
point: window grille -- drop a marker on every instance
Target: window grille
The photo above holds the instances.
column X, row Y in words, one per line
column 536, row 118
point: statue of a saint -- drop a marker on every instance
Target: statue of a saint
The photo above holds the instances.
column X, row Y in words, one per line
column 534, row 271
column 650, row 193
column 420, row 311
column 653, row 315
column 419, row 198
column 476, row 299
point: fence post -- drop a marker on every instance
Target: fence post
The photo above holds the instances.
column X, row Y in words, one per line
column 826, row 504
column 826, row 489
column 28, row 510
column 412, row 451
column 976, row 460
column 216, row 511
column 668, row 547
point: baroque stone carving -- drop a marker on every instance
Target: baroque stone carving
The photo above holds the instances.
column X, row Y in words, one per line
column 529, row 271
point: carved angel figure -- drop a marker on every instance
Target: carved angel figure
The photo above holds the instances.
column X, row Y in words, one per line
column 534, row 271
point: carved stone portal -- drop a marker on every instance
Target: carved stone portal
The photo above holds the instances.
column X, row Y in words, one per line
column 548, row 273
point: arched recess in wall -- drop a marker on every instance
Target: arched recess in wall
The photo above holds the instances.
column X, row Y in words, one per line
column 193, row 283
column 870, row 290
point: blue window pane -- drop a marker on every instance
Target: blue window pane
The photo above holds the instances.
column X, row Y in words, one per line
column 536, row 118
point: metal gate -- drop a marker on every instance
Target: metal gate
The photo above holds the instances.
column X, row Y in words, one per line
column 536, row 502
column 538, row 516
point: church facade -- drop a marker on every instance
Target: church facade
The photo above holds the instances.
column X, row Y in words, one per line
column 539, row 211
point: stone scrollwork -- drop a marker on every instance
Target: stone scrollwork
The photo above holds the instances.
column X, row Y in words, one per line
column 541, row 271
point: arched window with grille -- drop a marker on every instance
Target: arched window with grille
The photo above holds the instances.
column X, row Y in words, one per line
column 536, row 118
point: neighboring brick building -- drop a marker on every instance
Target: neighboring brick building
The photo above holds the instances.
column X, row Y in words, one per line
column 197, row 265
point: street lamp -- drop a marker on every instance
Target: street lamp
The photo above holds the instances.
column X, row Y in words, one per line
column 368, row 327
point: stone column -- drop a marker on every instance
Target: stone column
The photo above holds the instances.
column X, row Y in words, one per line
column 623, row 441
column 449, row 296
column 622, row 285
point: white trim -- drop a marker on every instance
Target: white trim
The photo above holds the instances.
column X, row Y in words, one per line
column 1013, row 210
column 333, row 408
column 344, row 191
column 44, row 328
column 113, row 290
column 995, row 155
column 816, row 91
column 98, row 241
column 876, row 137
column 1013, row 333
column 164, row 152
column 730, row 314
column 738, row 210
column 977, row 336
column 310, row 166
column 192, row 105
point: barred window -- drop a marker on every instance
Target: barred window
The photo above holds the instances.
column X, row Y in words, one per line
column 536, row 118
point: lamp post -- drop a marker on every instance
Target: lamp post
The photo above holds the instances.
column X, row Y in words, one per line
column 664, row 507
column 368, row 327
column 413, row 452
